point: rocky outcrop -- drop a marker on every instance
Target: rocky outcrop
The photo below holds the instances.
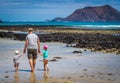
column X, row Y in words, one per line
column 93, row 14
column 6, row 34
column 95, row 42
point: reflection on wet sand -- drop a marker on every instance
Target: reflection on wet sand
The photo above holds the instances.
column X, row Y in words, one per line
column 45, row 77
column 45, row 74
column 33, row 77
column 16, row 78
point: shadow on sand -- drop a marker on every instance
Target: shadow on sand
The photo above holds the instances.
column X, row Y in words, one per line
column 25, row 70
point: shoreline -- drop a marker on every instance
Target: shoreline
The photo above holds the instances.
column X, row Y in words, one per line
column 85, row 67
column 95, row 40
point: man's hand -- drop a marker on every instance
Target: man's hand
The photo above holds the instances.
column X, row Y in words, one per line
column 39, row 51
column 24, row 51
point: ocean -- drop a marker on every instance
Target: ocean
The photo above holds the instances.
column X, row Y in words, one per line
column 81, row 25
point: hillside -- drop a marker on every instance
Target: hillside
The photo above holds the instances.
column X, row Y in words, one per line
column 99, row 13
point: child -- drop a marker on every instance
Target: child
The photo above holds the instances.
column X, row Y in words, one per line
column 45, row 57
column 16, row 59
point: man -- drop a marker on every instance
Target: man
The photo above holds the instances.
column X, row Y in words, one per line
column 32, row 44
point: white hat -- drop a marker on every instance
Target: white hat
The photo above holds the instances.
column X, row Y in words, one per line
column 17, row 51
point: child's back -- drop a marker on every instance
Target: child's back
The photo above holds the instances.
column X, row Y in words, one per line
column 45, row 54
column 16, row 59
column 45, row 57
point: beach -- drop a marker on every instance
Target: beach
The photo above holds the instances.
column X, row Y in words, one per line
column 104, row 40
column 65, row 66
column 83, row 38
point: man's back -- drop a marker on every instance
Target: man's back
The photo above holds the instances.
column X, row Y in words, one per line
column 32, row 41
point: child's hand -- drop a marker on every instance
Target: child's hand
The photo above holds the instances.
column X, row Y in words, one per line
column 21, row 53
column 40, row 54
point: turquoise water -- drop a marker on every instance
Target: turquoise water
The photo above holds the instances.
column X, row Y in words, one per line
column 83, row 25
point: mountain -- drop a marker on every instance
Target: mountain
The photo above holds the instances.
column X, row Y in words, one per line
column 98, row 13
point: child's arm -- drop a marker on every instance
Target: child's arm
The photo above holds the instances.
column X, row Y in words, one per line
column 41, row 54
column 20, row 55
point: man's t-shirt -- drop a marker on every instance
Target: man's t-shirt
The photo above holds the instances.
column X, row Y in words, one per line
column 32, row 41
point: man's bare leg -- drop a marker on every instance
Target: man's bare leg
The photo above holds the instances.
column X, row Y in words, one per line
column 31, row 64
column 34, row 63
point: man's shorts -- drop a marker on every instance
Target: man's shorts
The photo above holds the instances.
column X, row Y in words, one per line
column 32, row 53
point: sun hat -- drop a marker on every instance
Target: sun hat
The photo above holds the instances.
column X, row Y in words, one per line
column 17, row 51
column 45, row 47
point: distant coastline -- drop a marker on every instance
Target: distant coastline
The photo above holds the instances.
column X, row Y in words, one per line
column 78, row 25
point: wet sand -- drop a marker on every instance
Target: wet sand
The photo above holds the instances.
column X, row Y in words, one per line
column 68, row 67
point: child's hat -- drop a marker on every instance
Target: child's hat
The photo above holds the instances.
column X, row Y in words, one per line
column 17, row 51
column 45, row 47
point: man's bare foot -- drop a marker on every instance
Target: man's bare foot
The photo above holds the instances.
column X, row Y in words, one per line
column 47, row 69
column 16, row 70
column 32, row 70
column 44, row 69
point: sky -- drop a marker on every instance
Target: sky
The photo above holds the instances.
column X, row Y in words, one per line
column 41, row 10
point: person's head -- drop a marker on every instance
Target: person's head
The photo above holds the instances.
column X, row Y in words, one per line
column 45, row 47
column 30, row 30
column 17, row 52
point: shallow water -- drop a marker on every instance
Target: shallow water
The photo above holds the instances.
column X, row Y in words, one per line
column 71, row 65
column 80, row 25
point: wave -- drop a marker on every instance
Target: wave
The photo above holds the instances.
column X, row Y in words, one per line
column 85, row 25
column 96, row 25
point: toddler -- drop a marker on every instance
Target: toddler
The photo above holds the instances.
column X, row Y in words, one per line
column 16, row 59
column 45, row 57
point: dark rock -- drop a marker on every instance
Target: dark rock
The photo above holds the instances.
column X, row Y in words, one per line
column 6, row 34
column 85, row 50
column 6, row 76
column 94, row 42
column 57, row 57
column 84, row 69
column 53, row 60
column 100, row 73
column 81, row 76
column 109, row 79
column 93, row 76
column 110, row 74
column 77, row 51
column 69, row 78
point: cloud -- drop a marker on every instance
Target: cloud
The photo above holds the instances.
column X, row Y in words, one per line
column 47, row 8
column 47, row 4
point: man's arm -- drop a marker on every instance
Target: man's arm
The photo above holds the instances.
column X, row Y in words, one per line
column 38, row 42
column 25, row 47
